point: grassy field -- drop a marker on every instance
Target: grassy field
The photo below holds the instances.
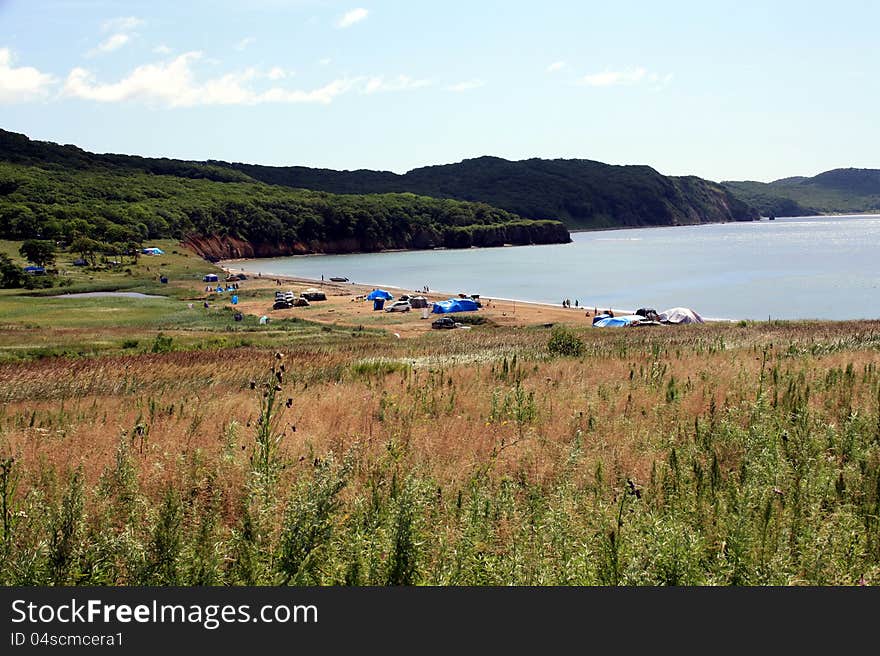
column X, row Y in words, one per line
column 700, row 455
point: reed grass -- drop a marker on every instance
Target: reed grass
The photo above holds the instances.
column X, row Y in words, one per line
column 714, row 455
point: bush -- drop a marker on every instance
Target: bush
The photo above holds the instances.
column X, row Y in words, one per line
column 162, row 344
column 564, row 342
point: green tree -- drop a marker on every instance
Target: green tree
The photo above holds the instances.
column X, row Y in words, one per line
column 39, row 251
column 87, row 249
column 10, row 274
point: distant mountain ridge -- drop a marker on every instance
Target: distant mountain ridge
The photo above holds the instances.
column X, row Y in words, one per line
column 581, row 193
column 839, row 191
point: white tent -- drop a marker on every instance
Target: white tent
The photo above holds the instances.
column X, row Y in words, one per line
column 680, row 315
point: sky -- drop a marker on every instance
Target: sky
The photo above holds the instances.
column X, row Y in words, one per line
column 745, row 90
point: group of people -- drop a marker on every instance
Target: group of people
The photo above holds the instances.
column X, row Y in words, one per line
column 220, row 289
column 567, row 303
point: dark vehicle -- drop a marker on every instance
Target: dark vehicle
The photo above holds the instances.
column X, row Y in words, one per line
column 282, row 304
column 314, row 296
column 444, row 323
column 339, row 279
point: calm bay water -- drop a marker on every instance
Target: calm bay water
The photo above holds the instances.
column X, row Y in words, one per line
column 792, row 268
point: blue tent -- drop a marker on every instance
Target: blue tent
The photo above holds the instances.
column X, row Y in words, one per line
column 379, row 293
column 210, row 277
column 153, row 251
column 455, row 305
column 616, row 322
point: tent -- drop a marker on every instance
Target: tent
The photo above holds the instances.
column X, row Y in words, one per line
column 210, row 277
column 680, row 315
column 455, row 305
column 153, row 251
column 379, row 293
column 617, row 322
column 418, row 302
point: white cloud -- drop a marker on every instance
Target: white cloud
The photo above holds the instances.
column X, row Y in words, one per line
column 615, row 78
column 121, row 24
column 111, row 43
column 466, row 86
column 349, row 18
column 399, row 83
column 174, row 84
column 324, row 95
column 556, row 66
column 21, row 84
column 276, row 73
column 162, row 49
column 244, row 43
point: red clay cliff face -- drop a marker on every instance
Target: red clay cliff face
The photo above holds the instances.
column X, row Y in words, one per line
column 230, row 248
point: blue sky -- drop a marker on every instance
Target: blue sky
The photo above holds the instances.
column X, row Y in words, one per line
column 723, row 90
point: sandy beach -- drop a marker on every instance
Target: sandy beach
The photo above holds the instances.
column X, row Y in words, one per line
column 342, row 308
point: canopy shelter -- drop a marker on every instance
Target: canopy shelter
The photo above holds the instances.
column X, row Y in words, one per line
column 680, row 315
column 455, row 305
column 608, row 321
column 379, row 293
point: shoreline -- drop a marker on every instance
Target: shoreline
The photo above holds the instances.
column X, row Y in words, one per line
column 256, row 275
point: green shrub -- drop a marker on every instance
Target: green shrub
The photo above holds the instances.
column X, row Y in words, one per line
column 162, row 344
column 565, row 342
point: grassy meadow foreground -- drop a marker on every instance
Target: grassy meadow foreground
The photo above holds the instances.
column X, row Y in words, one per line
column 146, row 442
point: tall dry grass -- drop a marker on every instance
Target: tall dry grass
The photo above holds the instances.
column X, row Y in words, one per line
column 708, row 455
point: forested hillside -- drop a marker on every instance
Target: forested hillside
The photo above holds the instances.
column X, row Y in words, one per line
column 61, row 192
column 840, row 191
column 582, row 193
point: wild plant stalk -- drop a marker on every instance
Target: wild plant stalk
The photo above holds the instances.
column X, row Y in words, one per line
column 8, row 482
column 266, row 462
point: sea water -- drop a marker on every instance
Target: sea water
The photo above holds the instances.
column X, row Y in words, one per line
column 790, row 268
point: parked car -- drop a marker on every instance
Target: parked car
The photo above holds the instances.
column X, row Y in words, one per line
column 281, row 304
column 312, row 295
column 444, row 323
column 399, row 306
